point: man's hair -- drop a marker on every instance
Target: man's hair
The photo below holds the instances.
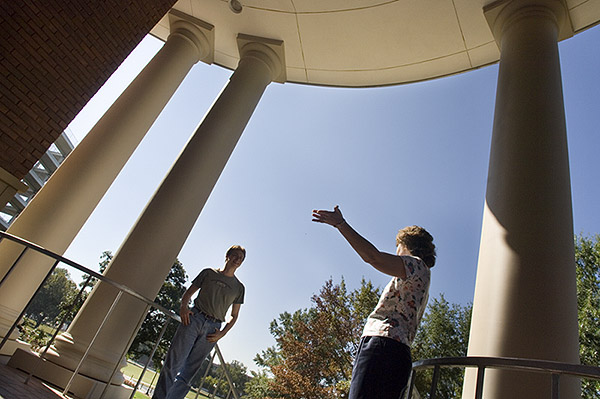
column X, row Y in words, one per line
column 236, row 248
column 419, row 242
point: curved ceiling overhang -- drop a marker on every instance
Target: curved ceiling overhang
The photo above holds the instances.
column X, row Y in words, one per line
column 363, row 43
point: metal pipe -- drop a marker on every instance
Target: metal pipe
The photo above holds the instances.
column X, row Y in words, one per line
column 62, row 322
column 479, row 386
column 96, row 275
column 12, row 328
column 112, row 307
column 139, row 324
column 555, row 386
column 434, row 382
column 226, row 371
column 212, row 359
column 162, row 332
column 409, row 390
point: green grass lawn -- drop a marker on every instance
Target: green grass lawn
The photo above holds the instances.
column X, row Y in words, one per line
column 133, row 370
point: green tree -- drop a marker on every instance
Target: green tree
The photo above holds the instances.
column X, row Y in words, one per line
column 216, row 384
column 239, row 376
column 315, row 346
column 587, row 259
column 52, row 298
column 259, row 385
column 105, row 259
column 169, row 297
column 443, row 332
column 216, row 378
column 312, row 358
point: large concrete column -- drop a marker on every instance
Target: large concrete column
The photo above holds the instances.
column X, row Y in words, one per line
column 56, row 214
column 146, row 256
column 525, row 303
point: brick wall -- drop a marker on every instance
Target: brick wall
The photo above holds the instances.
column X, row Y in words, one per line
column 54, row 56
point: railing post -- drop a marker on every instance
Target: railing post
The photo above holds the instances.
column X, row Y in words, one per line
column 162, row 332
column 434, row 381
column 112, row 307
column 413, row 376
column 226, row 371
column 143, row 316
column 555, row 386
column 62, row 322
column 11, row 329
column 210, row 363
column 122, row 289
column 479, row 386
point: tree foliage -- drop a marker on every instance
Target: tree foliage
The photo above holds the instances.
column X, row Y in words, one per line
column 217, row 381
column 259, row 385
column 314, row 348
column 444, row 332
column 52, row 299
column 587, row 259
column 169, row 297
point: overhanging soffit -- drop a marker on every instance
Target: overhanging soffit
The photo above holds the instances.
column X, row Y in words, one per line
column 361, row 43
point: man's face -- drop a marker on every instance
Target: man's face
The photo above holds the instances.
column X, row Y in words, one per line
column 236, row 257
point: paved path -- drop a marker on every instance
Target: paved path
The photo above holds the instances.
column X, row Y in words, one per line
column 12, row 386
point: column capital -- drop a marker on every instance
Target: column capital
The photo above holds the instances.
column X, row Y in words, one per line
column 502, row 13
column 200, row 34
column 269, row 51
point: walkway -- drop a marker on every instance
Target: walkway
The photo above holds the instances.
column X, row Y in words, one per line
column 12, row 386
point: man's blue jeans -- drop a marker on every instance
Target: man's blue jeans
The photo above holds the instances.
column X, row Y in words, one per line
column 188, row 350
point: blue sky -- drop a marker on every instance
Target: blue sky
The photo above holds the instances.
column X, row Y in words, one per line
column 390, row 157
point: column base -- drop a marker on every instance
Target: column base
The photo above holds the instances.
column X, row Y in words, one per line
column 10, row 347
column 13, row 342
column 81, row 387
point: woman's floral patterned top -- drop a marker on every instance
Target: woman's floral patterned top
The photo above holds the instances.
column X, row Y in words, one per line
column 402, row 304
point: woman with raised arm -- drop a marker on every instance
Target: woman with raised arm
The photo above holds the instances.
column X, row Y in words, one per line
column 383, row 362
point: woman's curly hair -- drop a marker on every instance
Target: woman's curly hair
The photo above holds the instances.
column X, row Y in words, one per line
column 419, row 242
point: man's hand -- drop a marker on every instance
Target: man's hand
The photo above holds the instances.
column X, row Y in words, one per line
column 333, row 218
column 214, row 337
column 185, row 313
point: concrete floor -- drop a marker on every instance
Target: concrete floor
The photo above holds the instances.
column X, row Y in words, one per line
column 12, row 386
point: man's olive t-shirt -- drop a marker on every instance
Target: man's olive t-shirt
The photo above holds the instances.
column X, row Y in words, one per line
column 217, row 293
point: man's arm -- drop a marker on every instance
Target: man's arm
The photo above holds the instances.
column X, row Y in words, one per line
column 389, row 264
column 235, row 311
column 184, row 310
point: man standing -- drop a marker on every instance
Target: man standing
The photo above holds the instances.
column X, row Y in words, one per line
column 383, row 362
column 200, row 327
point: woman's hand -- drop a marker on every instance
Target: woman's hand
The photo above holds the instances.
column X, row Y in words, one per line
column 333, row 218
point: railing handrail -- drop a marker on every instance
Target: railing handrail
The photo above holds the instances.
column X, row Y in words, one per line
column 555, row 369
column 122, row 288
column 535, row 365
column 94, row 274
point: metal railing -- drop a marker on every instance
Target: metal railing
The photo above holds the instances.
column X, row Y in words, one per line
column 58, row 259
column 555, row 369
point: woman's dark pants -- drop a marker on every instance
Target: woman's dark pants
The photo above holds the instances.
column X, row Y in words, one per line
column 381, row 369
